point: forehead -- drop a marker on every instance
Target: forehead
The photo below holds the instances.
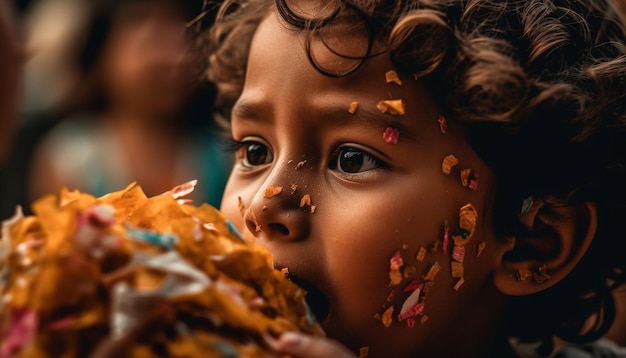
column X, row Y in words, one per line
column 280, row 74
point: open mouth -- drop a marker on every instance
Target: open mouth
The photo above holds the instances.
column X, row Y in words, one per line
column 317, row 301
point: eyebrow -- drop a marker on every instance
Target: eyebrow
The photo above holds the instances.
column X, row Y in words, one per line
column 334, row 114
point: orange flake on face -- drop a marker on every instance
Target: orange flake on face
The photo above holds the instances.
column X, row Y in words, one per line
column 306, row 200
column 465, row 173
column 387, row 317
column 300, row 164
column 394, row 107
column 459, row 283
column 252, row 217
column 353, row 107
column 395, row 277
column 421, row 254
column 432, row 272
column 364, row 352
column 443, row 123
column 273, row 191
column 240, row 206
column 448, row 163
column 457, row 269
column 541, row 275
column 293, row 188
column 468, row 217
column 285, row 271
column 409, row 271
column 523, row 274
column 313, row 208
column 392, row 76
column 391, row 135
column 481, row 247
column 434, row 247
column 424, row 319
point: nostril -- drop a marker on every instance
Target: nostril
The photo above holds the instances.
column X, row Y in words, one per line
column 280, row 228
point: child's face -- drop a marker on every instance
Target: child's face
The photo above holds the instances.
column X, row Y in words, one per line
column 372, row 198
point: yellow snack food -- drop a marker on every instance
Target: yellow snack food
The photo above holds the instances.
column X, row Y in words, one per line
column 84, row 271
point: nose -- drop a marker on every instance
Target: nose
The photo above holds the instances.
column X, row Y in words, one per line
column 280, row 210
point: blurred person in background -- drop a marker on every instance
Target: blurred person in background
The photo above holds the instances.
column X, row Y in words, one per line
column 139, row 112
column 12, row 55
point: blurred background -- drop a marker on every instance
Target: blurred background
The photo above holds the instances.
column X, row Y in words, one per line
column 111, row 92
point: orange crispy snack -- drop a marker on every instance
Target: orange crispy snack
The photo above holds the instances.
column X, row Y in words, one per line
column 447, row 164
column 273, row 191
column 83, row 268
column 392, row 76
column 468, row 217
column 395, row 107
column 306, row 200
column 353, row 107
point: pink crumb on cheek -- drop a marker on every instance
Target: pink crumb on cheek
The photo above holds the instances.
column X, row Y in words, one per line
column 391, row 135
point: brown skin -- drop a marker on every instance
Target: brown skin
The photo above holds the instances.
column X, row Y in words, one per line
column 361, row 219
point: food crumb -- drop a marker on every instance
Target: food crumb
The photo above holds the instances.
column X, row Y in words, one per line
column 313, row 207
column 240, row 206
column 394, row 107
column 392, row 76
column 421, row 254
column 364, row 352
column 523, row 274
column 387, row 317
column 353, row 107
column 459, row 283
column 293, row 188
column 481, row 247
column 443, row 123
column 273, row 191
column 391, row 135
column 448, row 163
column 306, row 200
column 300, row 164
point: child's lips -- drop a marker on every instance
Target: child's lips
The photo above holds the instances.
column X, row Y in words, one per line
column 318, row 302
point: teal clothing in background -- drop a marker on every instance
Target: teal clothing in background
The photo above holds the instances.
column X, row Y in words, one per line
column 85, row 154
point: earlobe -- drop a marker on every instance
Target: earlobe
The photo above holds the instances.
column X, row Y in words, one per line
column 552, row 239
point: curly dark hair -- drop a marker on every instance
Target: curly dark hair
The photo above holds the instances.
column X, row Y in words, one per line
column 540, row 88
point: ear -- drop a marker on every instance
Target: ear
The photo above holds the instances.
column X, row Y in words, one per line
column 552, row 240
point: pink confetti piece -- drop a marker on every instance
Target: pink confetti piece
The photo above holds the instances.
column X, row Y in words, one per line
column 181, row 190
column 396, row 262
column 391, row 135
column 21, row 330
column 412, row 312
column 473, row 184
column 458, row 253
column 412, row 286
column 446, row 237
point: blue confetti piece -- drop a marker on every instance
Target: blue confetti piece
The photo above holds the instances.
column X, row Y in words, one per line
column 527, row 204
column 310, row 317
column 164, row 240
column 233, row 229
column 225, row 349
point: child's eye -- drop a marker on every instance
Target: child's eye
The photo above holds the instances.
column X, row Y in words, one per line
column 253, row 153
column 351, row 160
